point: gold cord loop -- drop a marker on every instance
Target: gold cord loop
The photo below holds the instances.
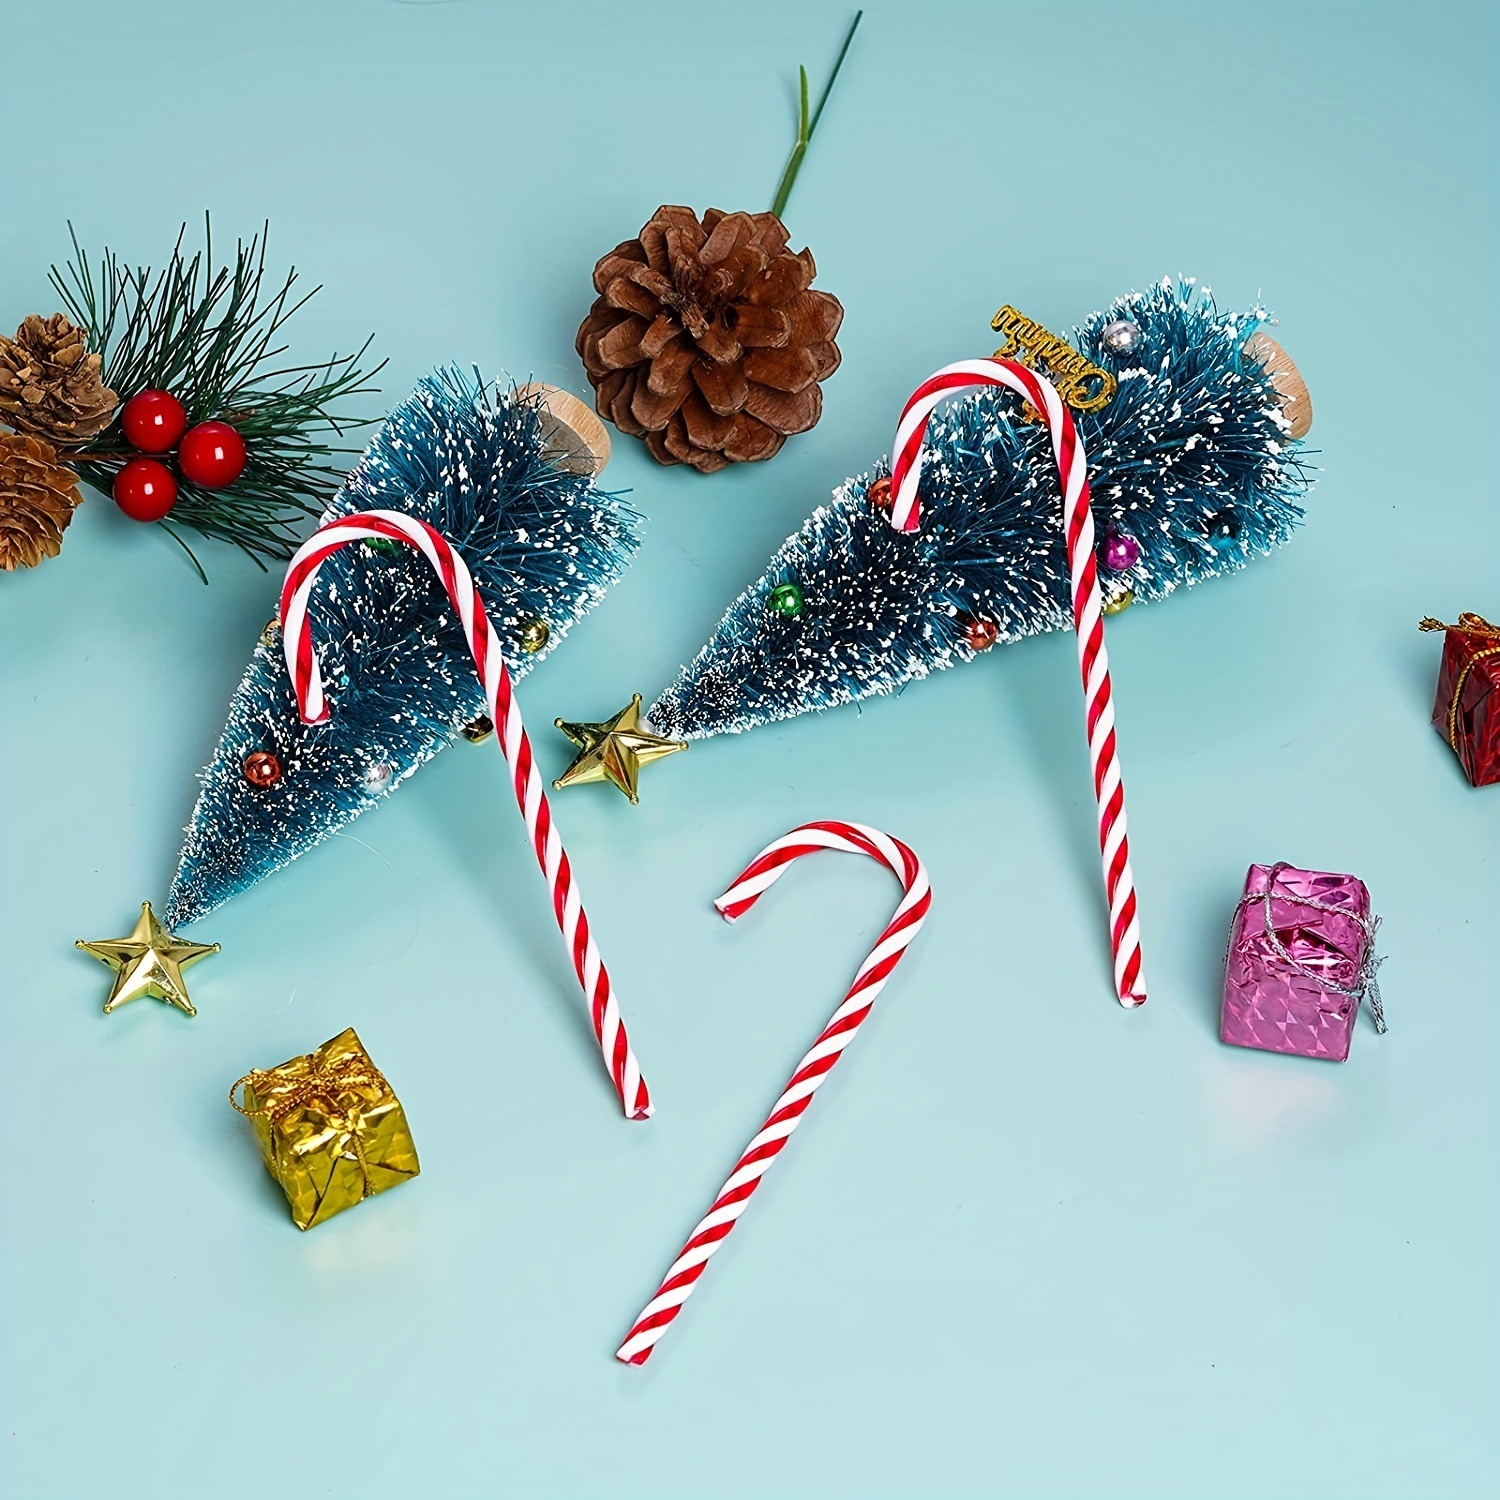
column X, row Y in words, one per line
column 320, row 1082
column 1468, row 624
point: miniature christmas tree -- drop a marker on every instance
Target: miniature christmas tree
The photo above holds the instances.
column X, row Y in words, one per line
column 1194, row 469
column 497, row 475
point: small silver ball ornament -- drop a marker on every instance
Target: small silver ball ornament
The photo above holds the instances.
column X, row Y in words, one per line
column 378, row 777
column 1120, row 337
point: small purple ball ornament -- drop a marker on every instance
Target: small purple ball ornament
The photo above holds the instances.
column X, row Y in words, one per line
column 1121, row 551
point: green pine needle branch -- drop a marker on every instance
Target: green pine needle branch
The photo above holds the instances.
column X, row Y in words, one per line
column 213, row 337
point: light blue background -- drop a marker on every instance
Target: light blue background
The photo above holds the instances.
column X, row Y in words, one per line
column 1027, row 1243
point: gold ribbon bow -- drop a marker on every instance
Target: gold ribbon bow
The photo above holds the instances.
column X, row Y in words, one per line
column 282, row 1094
column 1468, row 624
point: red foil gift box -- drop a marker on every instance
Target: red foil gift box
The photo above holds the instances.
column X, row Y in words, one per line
column 1301, row 957
column 1467, row 708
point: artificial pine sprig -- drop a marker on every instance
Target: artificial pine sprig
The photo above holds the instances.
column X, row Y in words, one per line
column 212, row 336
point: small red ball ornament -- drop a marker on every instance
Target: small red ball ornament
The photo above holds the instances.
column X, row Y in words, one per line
column 212, row 454
column 261, row 768
column 981, row 634
column 153, row 421
column 145, row 489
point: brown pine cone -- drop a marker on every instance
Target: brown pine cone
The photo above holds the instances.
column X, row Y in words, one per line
column 50, row 384
column 37, row 495
column 705, row 339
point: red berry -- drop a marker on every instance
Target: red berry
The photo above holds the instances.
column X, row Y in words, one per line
column 212, row 454
column 153, row 421
column 145, row 489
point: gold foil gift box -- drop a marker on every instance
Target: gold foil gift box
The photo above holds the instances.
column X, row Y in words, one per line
column 330, row 1129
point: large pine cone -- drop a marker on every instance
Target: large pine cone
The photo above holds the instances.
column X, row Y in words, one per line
column 50, row 384
column 705, row 339
column 37, row 495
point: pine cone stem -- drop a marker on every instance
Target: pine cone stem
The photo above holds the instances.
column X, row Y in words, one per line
column 806, row 125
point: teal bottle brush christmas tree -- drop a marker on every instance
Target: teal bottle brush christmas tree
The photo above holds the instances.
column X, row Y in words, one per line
column 1195, row 470
column 512, row 488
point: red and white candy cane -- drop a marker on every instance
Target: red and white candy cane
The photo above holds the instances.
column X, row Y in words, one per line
column 489, row 662
column 1088, row 616
column 762, row 872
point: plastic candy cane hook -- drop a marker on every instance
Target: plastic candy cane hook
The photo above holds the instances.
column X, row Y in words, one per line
column 1088, row 617
column 489, row 663
column 761, row 873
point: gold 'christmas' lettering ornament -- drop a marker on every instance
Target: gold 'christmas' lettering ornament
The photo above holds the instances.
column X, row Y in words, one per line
column 1079, row 381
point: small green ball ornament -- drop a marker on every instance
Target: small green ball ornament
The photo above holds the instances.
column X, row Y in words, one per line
column 786, row 600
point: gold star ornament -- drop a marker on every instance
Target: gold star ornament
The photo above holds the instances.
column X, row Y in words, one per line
column 149, row 961
column 615, row 750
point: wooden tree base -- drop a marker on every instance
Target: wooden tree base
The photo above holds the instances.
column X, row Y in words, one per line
column 576, row 439
column 1296, row 400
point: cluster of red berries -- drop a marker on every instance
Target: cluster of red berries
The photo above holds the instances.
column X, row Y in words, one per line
column 212, row 454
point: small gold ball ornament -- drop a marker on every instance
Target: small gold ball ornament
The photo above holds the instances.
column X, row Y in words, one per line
column 532, row 635
column 478, row 729
column 1119, row 603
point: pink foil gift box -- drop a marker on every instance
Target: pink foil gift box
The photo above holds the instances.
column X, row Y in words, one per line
column 1301, row 958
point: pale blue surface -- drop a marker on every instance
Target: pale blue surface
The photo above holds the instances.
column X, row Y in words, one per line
column 1026, row 1244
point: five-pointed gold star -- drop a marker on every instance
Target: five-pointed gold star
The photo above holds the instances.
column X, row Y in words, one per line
column 149, row 961
column 615, row 750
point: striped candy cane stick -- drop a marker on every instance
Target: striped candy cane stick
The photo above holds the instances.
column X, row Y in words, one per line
column 1088, row 617
column 489, row 662
column 762, row 872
